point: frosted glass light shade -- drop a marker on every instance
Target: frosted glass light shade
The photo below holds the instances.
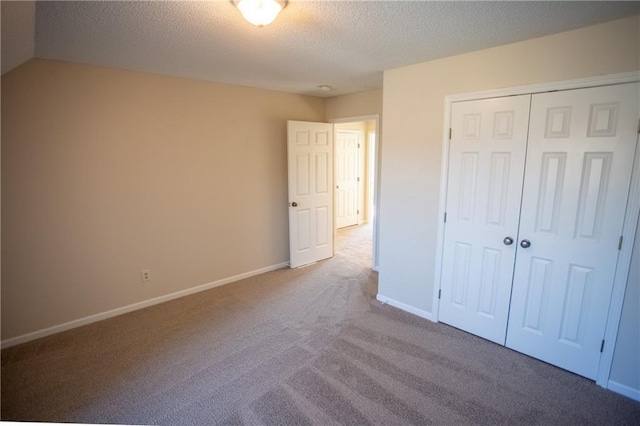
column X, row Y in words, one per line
column 259, row 12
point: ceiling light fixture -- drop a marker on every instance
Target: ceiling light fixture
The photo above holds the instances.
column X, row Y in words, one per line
column 260, row 12
column 325, row 88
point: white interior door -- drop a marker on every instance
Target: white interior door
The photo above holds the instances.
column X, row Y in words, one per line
column 486, row 166
column 347, row 158
column 310, row 167
column 579, row 161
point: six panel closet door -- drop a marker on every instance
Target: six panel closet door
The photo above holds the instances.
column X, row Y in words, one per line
column 561, row 242
column 486, row 168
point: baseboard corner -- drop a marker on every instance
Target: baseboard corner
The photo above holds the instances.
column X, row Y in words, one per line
column 624, row 390
column 407, row 308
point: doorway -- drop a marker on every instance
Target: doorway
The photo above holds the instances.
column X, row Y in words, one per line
column 356, row 176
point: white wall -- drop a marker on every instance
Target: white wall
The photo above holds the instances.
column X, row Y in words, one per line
column 413, row 110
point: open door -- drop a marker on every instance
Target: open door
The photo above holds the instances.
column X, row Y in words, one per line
column 310, row 168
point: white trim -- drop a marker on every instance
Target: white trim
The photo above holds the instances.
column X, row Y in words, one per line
column 622, row 273
column 358, row 118
column 581, row 83
column 625, row 390
column 442, row 205
column 633, row 204
column 371, row 138
column 407, row 308
column 133, row 307
column 373, row 203
column 376, row 194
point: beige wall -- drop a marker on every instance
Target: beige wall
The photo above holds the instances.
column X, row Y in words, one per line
column 413, row 105
column 355, row 105
column 108, row 172
column 18, row 32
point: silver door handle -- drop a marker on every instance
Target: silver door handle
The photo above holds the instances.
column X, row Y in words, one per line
column 507, row 241
column 525, row 243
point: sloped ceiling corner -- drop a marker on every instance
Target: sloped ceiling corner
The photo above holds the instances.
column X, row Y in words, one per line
column 18, row 33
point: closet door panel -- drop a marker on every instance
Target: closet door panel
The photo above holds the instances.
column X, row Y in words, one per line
column 486, row 167
column 579, row 161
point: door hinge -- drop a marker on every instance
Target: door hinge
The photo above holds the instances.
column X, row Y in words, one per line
column 358, row 179
column 450, row 132
column 639, row 126
column 445, row 217
column 357, row 211
column 620, row 243
column 439, row 293
column 602, row 346
column 358, row 145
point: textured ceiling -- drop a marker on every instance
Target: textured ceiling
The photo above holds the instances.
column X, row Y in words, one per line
column 345, row 44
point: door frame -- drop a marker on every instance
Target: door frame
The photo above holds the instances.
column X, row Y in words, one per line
column 376, row 183
column 371, row 171
column 631, row 214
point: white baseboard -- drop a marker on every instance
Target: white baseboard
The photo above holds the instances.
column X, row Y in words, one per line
column 625, row 390
column 133, row 307
column 406, row 308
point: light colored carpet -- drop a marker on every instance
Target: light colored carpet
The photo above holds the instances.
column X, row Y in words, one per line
column 305, row 346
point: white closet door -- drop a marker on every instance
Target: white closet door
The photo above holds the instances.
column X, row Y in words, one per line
column 579, row 161
column 486, row 166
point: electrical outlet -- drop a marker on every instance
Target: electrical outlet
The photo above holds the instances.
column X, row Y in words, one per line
column 146, row 275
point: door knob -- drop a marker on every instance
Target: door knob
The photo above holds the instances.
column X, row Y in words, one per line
column 525, row 243
column 507, row 241
column 294, row 204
